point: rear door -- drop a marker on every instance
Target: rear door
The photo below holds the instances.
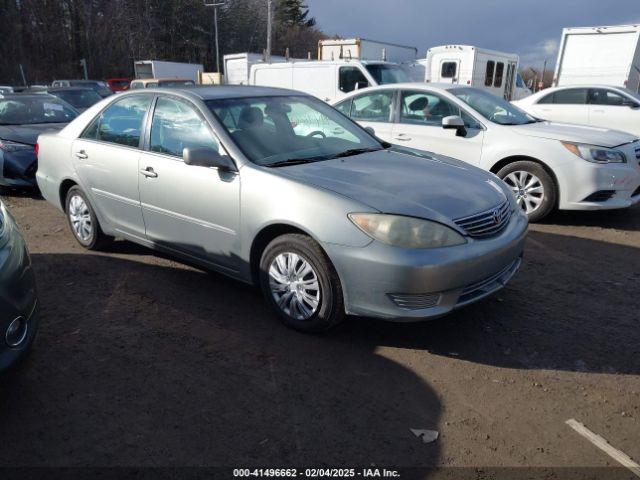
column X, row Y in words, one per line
column 420, row 126
column 567, row 105
column 610, row 109
column 106, row 159
column 189, row 209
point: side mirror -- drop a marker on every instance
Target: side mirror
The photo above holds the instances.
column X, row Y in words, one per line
column 630, row 103
column 370, row 130
column 454, row 122
column 207, row 157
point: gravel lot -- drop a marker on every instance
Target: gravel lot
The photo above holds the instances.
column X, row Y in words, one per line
column 144, row 361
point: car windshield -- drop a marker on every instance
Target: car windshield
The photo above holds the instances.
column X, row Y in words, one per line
column 384, row 74
column 79, row 98
column 175, row 83
column 492, row 108
column 281, row 130
column 31, row 110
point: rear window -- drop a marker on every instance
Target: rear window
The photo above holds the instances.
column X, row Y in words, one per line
column 30, row 111
column 449, row 70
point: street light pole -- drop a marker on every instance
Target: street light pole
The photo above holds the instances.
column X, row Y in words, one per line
column 269, row 14
column 215, row 22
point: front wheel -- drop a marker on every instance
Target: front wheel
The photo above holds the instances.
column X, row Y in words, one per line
column 533, row 187
column 300, row 284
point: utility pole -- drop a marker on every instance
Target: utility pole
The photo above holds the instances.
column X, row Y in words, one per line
column 83, row 63
column 215, row 23
column 24, row 79
column 269, row 21
column 544, row 70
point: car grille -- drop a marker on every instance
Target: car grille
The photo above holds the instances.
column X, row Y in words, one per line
column 490, row 284
column 418, row 301
column 487, row 223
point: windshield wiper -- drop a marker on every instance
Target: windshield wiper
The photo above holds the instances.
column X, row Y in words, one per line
column 354, row 151
column 291, row 161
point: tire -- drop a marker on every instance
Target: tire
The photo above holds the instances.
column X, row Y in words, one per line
column 92, row 237
column 328, row 294
column 543, row 191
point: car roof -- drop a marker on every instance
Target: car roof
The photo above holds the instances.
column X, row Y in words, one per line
column 222, row 91
column 19, row 96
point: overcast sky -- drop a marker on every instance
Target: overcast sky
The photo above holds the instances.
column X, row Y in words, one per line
column 530, row 28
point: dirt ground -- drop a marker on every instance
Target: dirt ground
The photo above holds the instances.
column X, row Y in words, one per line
column 143, row 361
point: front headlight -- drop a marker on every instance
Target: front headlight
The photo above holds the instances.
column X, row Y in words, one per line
column 595, row 154
column 406, row 232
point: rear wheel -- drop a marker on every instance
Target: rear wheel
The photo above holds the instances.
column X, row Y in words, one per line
column 300, row 284
column 83, row 221
column 533, row 187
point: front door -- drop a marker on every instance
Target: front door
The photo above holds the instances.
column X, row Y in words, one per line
column 420, row 126
column 106, row 157
column 190, row 209
column 373, row 110
column 567, row 105
column 610, row 109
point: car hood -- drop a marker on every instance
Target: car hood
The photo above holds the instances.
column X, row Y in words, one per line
column 566, row 132
column 27, row 134
column 406, row 182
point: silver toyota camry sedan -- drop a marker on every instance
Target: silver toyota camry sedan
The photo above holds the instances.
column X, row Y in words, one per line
column 277, row 188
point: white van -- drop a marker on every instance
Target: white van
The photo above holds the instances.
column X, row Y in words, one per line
column 476, row 67
column 327, row 80
column 238, row 65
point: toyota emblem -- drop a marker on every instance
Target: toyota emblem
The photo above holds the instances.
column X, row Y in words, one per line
column 497, row 216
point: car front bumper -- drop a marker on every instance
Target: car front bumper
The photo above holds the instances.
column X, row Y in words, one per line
column 599, row 187
column 18, row 296
column 411, row 285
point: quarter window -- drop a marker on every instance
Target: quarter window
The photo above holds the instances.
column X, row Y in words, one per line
column 121, row 122
column 372, row 107
column 497, row 82
column 344, row 107
column 425, row 108
column 352, row 78
column 488, row 79
column 448, row 70
column 176, row 126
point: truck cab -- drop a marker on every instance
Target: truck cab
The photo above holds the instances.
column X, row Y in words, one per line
column 327, row 80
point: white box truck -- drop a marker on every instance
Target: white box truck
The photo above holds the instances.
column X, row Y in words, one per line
column 145, row 69
column 477, row 67
column 599, row 55
column 238, row 65
column 363, row 49
column 327, row 80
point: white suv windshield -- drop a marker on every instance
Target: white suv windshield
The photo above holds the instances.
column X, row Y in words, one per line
column 492, row 108
column 384, row 74
column 278, row 131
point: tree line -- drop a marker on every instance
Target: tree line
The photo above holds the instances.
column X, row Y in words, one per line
column 49, row 37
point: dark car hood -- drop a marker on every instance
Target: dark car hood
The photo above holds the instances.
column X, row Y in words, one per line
column 27, row 134
column 406, row 182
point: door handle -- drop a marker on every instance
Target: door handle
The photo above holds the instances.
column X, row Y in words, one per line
column 149, row 172
column 82, row 155
column 402, row 137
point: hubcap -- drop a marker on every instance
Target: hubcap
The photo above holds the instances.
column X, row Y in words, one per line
column 294, row 285
column 527, row 189
column 80, row 218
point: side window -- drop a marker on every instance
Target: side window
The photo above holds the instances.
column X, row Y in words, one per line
column 350, row 78
column 497, row 82
column 372, row 107
column 425, row 108
column 121, row 122
column 344, row 107
column 488, row 79
column 610, row 98
column 448, row 70
column 571, row 96
column 176, row 126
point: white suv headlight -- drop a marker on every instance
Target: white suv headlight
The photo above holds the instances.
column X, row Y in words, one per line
column 406, row 232
column 595, row 154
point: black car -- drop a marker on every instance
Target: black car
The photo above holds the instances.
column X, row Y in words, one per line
column 79, row 98
column 18, row 296
column 22, row 118
column 100, row 87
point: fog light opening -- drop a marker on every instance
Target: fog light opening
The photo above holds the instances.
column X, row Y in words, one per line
column 16, row 332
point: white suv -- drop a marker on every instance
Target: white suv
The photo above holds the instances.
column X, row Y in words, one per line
column 547, row 165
